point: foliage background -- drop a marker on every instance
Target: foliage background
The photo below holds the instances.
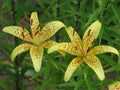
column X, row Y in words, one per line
column 77, row 13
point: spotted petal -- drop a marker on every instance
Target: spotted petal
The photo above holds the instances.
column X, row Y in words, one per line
column 20, row 49
column 75, row 63
column 34, row 22
column 103, row 49
column 68, row 47
column 35, row 28
column 93, row 62
column 19, row 32
column 114, row 86
column 36, row 54
column 50, row 29
column 73, row 35
column 50, row 43
column 91, row 35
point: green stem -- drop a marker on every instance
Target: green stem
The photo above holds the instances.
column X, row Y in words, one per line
column 77, row 21
column 58, row 14
column 16, row 65
column 115, row 10
column 106, row 7
column 85, row 76
column 118, row 72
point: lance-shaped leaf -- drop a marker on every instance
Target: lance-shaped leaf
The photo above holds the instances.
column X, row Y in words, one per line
column 103, row 49
column 36, row 54
column 75, row 63
column 50, row 29
column 19, row 32
column 114, row 86
column 50, row 43
column 93, row 62
column 68, row 47
column 91, row 34
column 19, row 50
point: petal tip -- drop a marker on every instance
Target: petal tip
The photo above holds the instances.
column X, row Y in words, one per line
column 12, row 59
column 66, row 79
column 102, row 78
column 50, row 50
column 5, row 29
column 117, row 53
column 98, row 23
column 33, row 13
column 37, row 69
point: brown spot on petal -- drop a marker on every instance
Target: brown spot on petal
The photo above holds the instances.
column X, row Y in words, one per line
column 88, row 49
column 89, row 32
column 36, row 32
column 37, row 26
column 76, row 47
column 75, row 63
column 23, row 26
column 31, row 35
column 31, row 21
column 93, row 41
column 23, row 35
column 73, row 32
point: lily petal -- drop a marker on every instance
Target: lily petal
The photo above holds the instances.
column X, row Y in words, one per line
column 68, row 47
column 19, row 32
column 93, row 62
column 34, row 22
column 20, row 49
column 35, row 28
column 50, row 43
column 73, row 35
column 103, row 49
column 75, row 63
column 50, row 29
column 90, row 35
column 36, row 54
column 114, row 86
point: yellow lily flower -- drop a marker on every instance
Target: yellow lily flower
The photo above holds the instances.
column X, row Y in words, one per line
column 114, row 86
column 82, row 49
column 37, row 39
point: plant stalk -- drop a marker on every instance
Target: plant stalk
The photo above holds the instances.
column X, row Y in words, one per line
column 77, row 21
column 16, row 65
column 58, row 14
